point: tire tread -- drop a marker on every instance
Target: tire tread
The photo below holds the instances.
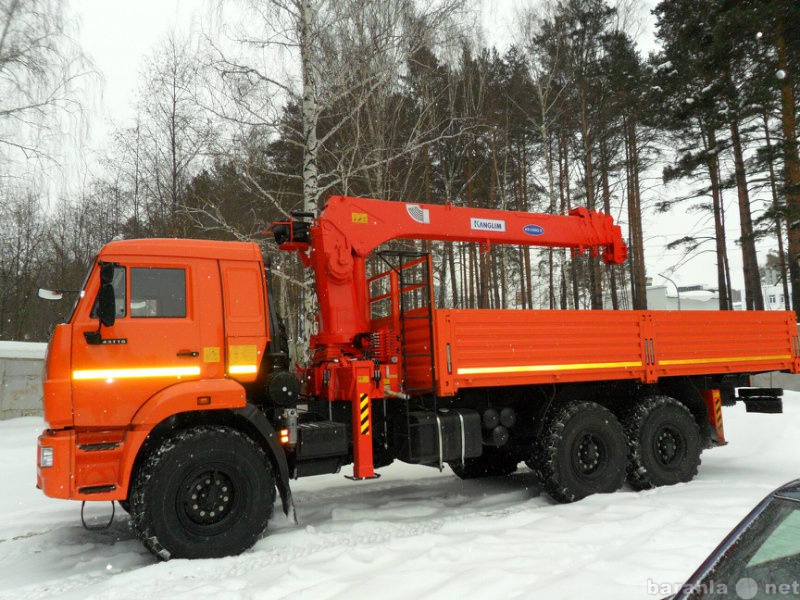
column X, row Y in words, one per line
column 637, row 473
column 163, row 457
column 546, row 455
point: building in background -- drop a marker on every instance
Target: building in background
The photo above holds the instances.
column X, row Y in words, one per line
column 772, row 285
column 688, row 297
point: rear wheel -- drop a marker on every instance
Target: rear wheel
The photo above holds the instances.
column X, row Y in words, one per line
column 203, row 493
column 581, row 452
column 663, row 443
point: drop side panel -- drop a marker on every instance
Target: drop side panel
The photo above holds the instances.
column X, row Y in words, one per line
column 489, row 348
column 700, row 342
column 494, row 348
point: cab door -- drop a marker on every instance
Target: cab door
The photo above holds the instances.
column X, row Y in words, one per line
column 165, row 332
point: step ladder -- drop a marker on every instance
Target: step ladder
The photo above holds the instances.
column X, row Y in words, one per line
column 415, row 291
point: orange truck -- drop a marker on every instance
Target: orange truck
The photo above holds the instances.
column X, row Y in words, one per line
column 170, row 389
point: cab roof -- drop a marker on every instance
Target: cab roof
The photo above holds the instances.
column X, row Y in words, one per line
column 183, row 248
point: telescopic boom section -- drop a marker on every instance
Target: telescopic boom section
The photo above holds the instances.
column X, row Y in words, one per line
column 337, row 244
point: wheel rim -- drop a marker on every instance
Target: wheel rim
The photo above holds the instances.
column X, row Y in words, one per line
column 669, row 446
column 590, row 455
column 210, row 497
column 207, row 500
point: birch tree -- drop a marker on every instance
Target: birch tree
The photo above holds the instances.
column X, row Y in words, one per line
column 327, row 59
column 172, row 133
column 39, row 66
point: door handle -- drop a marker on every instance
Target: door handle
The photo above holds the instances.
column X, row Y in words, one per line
column 189, row 353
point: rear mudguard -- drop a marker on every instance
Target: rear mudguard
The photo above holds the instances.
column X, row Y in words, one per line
column 277, row 456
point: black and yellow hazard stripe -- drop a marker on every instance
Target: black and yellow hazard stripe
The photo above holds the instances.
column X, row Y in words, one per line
column 364, row 414
column 718, row 413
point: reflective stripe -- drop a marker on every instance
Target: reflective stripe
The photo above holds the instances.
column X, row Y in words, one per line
column 241, row 369
column 700, row 361
column 136, row 373
column 611, row 365
column 540, row 368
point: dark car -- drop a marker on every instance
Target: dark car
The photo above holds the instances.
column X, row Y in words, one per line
column 760, row 558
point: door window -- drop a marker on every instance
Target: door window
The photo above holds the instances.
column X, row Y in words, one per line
column 118, row 283
column 158, row 293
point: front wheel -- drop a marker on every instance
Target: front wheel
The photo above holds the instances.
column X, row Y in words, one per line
column 203, row 493
column 581, row 452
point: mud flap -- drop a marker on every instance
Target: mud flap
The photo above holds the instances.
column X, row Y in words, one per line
column 713, row 400
column 278, row 457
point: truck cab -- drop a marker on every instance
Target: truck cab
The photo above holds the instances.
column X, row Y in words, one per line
column 188, row 329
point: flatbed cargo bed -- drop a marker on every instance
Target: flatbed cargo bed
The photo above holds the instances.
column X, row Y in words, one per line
column 492, row 348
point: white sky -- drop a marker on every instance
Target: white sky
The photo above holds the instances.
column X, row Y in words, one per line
column 117, row 35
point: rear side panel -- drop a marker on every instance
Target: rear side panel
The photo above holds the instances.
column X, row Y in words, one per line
column 698, row 342
column 490, row 348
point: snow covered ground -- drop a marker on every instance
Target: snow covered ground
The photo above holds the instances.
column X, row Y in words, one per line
column 413, row 533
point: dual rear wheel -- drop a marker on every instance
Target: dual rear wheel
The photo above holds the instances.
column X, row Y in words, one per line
column 584, row 449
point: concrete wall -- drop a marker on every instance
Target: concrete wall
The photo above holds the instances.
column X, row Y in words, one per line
column 21, row 379
column 787, row 381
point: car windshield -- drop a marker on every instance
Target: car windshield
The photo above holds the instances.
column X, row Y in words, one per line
column 763, row 563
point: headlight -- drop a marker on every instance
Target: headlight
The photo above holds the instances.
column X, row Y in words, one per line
column 45, row 456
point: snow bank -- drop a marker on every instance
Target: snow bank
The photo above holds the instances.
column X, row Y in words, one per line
column 414, row 532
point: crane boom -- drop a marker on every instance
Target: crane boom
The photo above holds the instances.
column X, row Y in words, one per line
column 337, row 244
column 366, row 224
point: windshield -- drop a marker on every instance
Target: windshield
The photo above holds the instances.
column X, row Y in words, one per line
column 82, row 293
column 764, row 562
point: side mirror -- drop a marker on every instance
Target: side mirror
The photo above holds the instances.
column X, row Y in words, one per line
column 106, row 309
column 106, row 273
column 50, row 294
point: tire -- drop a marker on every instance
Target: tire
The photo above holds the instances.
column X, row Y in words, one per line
column 582, row 451
column 486, row 465
column 205, row 492
column 663, row 443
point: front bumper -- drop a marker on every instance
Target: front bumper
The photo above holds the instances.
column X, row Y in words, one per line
column 56, row 481
column 85, row 465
